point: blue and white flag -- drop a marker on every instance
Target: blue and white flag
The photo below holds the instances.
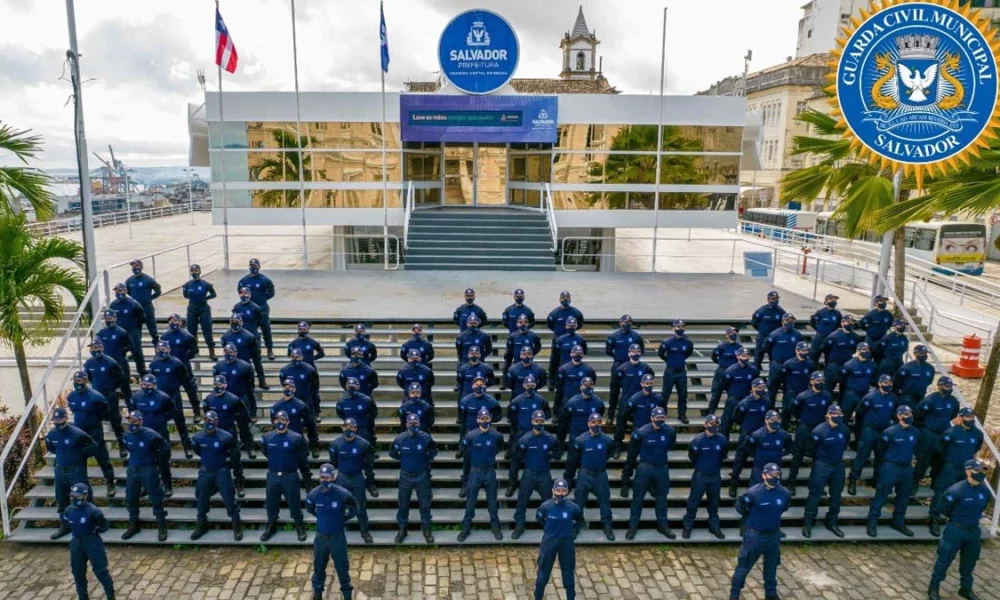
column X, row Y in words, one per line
column 384, row 40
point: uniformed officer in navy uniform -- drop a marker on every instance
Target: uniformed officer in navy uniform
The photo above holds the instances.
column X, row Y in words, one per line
column 90, row 409
column 960, row 443
column 780, row 343
column 232, row 413
column 300, row 417
column 749, row 412
column 247, row 347
column 675, row 351
column 239, row 378
column 561, row 521
column 261, row 290
column 791, row 377
column 874, row 414
column 184, row 347
column 470, row 371
column 521, row 337
column 827, row 445
column 617, row 347
column 360, row 407
column 250, row 312
column 933, row 416
column 311, row 349
column 171, row 376
column 521, row 411
column 534, row 451
column 414, row 449
column 117, row 342
column 556, row 320
column 357, row 369
column 469, row 408
column 575, row 413
column 220, row 461
column 838, row 348
column 516, row 374
column 707, row 451
column 354, row 459
column 462, row 313
column 512, row 313
column 766, row 319
column 479, row 471
column 333, row 506
column 157, row 408
column 418, row 342
column 963, row 504
column 737, row 381
column 589, row 453
column 569, row 377
column 198, row 292
column 878, row 321
column 890, row 350
column 637, row 410
column 858, row 376
column 144, row 289
column 146, row 448
column 761, row 507
column 108, row 378
column 414, row 404
column 724, row 356
column 650, row 447
column 87, row 523
column 896, row 474
column 72, row 447
column 287, row 458
column 629, row 375
column 131, row 318
column 912, row 379
column 415, row 372
column 369, row 352
column 562, row 347
column 768, row 443
column 824, row 322
column 809, row 410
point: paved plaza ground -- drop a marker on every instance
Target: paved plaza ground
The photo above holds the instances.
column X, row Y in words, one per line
column 832, row 572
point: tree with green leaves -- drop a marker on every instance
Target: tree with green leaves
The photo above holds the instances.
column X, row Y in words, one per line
column 21, row 181
column 864, row 188
column 283, row 165
column 37, row 274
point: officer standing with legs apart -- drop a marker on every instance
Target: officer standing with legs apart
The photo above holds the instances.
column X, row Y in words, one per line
column 521, row 337
column 220, row 460
column 361, row 408
column 809, row 409
column 306, row 379
column 562, row 347
column 933, row 417
column 857, row 378
column 354, row 459
column 824, row 322
column 535, row 451
column 184, row 347
column 144, row 289
column 617, row 347
column 792, row 377
column 171, row 375
column 890, row 350
column 913, row 378
column 511, row 314
column 90, row 409
column 131, row 318
column 674, row 351
column 767, row 444
column 333, row 506
column 724, row 356
column 72, row 447
column 737, row 382
column 637, row 410
column 650, row 446
column 418, row 342
column 287, row 457
column 839, row 348
column 827, row 445
column 707, row 451
column 157, row 408
column 780, row 343
column 521, row 411
column 960, row 444
column 874, row 414
column 108, row 378
column 462, row 313
column 198, row 292
column 414, row 449
column 589, row 453
column 232, row 413
column 116, row 341
column 766, row 319
column 247, row 348
column 146, row 449
column 261, row 290
column 569, row 377
column 896, row 474
column 479, row 471
column 87, row 523
column 561, row 521
column 963, row 504
column 761, row 507
column 311, row 349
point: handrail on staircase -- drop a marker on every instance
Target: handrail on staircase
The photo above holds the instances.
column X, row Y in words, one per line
column 407, row 213
column 550, row 213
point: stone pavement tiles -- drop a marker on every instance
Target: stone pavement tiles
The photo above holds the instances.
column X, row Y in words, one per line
column 831, row 572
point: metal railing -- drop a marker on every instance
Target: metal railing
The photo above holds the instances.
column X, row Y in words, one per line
column 941, row 322
column 407, row 213
column 550, row 213
column 71, row 224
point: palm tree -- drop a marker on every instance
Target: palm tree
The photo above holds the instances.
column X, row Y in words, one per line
column 19, row 181
column 34, row 277
column 283, row 166
column 865, row 188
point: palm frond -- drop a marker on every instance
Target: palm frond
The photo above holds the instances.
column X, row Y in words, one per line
column 860, row 208
column 16, row 181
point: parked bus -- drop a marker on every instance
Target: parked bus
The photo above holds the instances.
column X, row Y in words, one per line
column 765, row 221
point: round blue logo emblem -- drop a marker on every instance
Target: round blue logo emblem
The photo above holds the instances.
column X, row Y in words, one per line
column 478, row 52
column 917, row 82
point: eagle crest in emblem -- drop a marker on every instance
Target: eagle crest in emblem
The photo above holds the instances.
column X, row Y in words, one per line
column 917, row 77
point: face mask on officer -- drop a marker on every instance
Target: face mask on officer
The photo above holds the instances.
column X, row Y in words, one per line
column 303, row 332
column 254, row 268
column 712, row 429
column 772, row 301
column 626, row 325
column 538, row 425
column 325, row 484
column 836, row 419
column 978, row 476
column 349, row 432
column 219, row 389
column 413, row 429
column 788, row 325
column 479, row 389
column 136, row 270
column 244, row 298
column 576, row 357
column 732, row 336
column 61, row 426
column 230, row 355
column 944, row 389
column 922, row 357
column 906, row 420
column 195, row 275
column 235, row 325
column 526, row 359
column 587, row 391
column 595, row 427
column 484, row 425
column 210, row 426
column 659, row 422
column 758, row 390
column 161, row 353
column 288, row 392
column 529, row 389
column 679, row 331
column 899, row 328
column 134, row 426
column 802, row 354
column 885, row 386
column 120, row 295
column 470, row 299
column 519, row 299
column 742, row 359
column 474, row 357
column 355, row 358
column 414, row 395
column 817, row 384
column 881, row 305
column 79, row 386
column 969, row 422
column 773, row 424
column 865, row 353
column 772, row 481
column 522, row 326
column 634, row 356
column 414, row 359
column 109, row 321
column 148, row 388
column 78, row 502
column 847, row 325
column 560, row 496
column 564, row 301
column 831, row 303
column 647, row 387
column 417, row 333
column 281, row 425
column 96, row 352
column 174, row 325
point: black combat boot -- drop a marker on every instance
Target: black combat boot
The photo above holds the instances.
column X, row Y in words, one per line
column 269, row 531
column 133, row 529
column 200, row 529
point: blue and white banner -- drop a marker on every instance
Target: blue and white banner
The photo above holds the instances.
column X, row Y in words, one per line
column 515, row 119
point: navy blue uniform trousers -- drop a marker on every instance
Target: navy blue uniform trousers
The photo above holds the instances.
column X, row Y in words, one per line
column 757, row 544
column 565, row 549
column 325, row 546
column 90, row 549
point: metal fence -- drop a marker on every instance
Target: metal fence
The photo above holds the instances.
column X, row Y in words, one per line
column 71, row 224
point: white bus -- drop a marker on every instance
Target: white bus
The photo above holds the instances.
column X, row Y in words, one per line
column 765, row 221
column 951, row 245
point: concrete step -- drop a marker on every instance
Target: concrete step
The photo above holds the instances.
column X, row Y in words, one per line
column 478, row 266
column 539, row 257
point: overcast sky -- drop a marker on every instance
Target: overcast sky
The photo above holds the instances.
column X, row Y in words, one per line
column 141, row 56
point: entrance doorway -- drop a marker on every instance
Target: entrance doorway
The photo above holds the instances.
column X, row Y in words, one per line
column 475, row 174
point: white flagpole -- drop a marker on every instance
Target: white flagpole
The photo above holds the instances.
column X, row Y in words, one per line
column 222, row 153
column 659, row 140
column 385, row 185
column 298, row 134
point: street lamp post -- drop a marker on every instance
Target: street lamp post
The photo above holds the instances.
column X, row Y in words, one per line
column 190, row 173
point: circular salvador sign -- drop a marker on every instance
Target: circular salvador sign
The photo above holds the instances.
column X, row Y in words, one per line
column 478, row 52
column 916, row 83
